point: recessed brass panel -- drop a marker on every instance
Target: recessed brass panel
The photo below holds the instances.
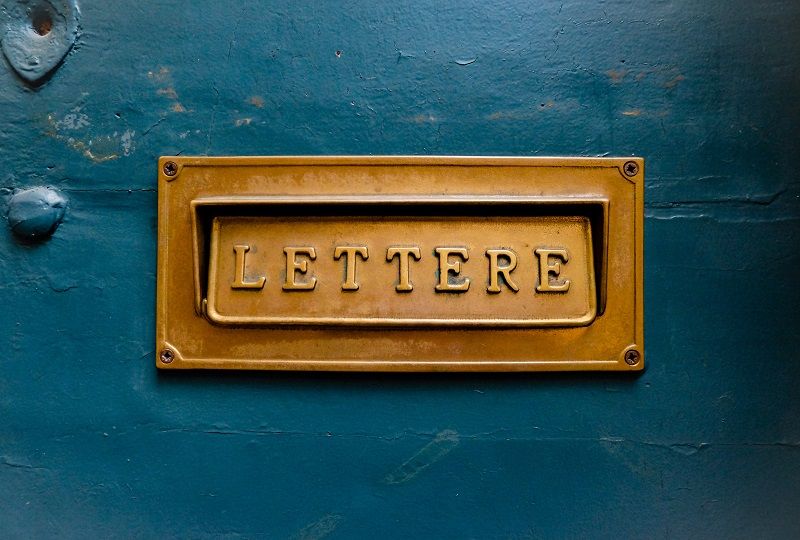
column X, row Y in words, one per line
column 400, row 263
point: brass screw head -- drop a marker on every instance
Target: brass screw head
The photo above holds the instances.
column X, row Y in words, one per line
column 167, row 356
column 632, row 357
column 631, row 168
column 170, row 168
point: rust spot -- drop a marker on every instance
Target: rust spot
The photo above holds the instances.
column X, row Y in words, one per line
column 632, row 112
column 256, row 101
column 41, row 22
column 178, row 108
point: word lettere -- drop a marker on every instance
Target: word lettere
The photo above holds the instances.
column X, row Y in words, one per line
column 501, row 262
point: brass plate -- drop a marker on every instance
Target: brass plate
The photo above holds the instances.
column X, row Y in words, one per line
column 400, row 263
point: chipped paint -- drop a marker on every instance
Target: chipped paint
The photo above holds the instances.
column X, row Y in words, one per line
column 72, row 130
column 674, row 82
column 163, row 77
column 256, row 101
column 616, row 75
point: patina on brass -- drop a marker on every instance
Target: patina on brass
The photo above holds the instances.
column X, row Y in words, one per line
column 400, row 263
column 352, row 284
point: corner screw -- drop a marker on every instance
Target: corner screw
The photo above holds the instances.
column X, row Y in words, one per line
column 632, row 357
column 170, row 168
column 167, row 356
column 631, row 168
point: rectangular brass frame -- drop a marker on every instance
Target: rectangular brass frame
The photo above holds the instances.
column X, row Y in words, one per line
column 204, row 187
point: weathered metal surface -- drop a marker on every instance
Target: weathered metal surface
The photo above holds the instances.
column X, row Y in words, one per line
column 270, row 263
column 95, row 442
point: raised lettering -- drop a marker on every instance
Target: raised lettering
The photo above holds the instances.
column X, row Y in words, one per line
column 404, row 278
column 241, row 263
column 449, row 269
column 548, row 268
column 350, row 253
column 495, row 269
column 294, row 267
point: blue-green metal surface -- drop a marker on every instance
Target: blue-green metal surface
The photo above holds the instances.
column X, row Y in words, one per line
column 94, row 442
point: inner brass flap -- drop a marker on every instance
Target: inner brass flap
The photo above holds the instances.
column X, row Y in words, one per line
column 497, row 282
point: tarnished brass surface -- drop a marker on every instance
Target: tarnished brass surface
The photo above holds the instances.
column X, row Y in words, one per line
column 359, row 287
column 400, row 263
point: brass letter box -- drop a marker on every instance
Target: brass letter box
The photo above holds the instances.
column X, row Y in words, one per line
column 400, row 263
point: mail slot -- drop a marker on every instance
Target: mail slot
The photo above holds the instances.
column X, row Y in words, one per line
column 399, row 264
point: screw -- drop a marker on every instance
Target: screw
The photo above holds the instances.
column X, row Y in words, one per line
column 170, row 168
column 632, row 357
column 631, row 168
column 167, row 356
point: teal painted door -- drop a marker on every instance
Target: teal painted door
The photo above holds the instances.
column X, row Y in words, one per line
column 94, row 442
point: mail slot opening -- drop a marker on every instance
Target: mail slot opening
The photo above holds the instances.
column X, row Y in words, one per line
column 374, row 262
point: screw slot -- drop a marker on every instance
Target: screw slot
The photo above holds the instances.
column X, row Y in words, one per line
column 170, row 168
column 167, row 356
column 632, row 357
column 631, row 168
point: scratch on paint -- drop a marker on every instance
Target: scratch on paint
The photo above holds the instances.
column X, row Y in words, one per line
column 432, row 452
column 318, row 529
